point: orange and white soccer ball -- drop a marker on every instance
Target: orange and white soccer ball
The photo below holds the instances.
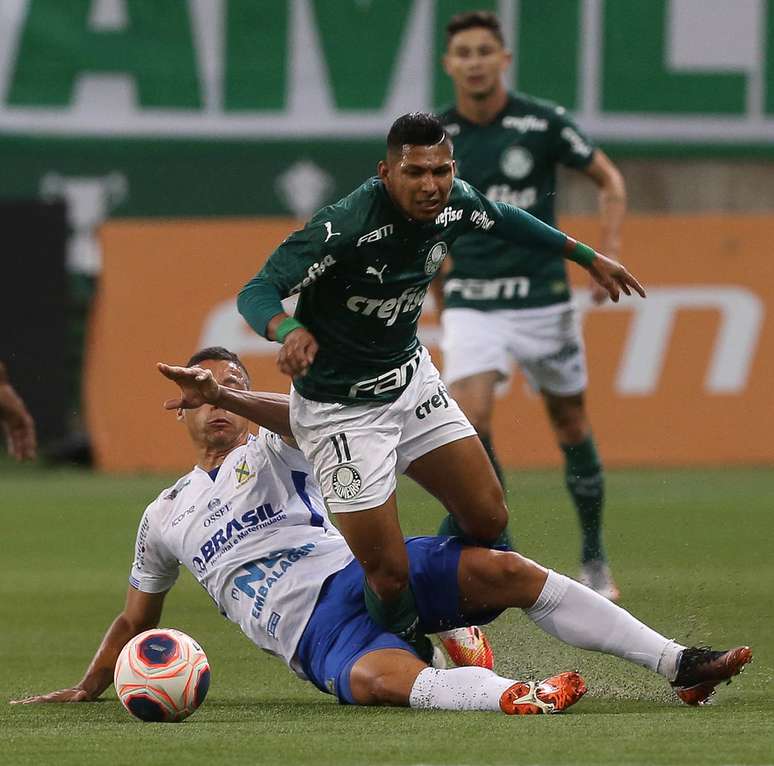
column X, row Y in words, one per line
column 162, row 675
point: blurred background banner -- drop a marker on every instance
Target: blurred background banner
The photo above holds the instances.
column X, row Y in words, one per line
column 141, row 111
column 682, row 378
column 137, row 98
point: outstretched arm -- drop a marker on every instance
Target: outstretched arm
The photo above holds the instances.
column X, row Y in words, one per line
column 612, row 209
column 141, row 612
column 518, row 226
column 198, row 386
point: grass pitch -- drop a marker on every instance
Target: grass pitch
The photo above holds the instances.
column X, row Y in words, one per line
column 691, row 550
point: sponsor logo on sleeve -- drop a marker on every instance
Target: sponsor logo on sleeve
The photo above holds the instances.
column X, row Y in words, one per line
column 142, row 536
column 177, row 489
column 481, row 220
column 314, row 272
column 577, row 144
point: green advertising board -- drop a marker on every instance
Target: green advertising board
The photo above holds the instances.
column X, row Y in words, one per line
column 241, row 107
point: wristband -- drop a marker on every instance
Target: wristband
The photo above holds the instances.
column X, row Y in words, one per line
column 582, row 254
column 285, row 327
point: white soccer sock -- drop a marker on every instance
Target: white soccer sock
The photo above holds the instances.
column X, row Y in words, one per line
column 458, row 689
column 578, row 616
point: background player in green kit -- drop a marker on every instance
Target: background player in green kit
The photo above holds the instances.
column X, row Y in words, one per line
column 366, row 401
column 505, row 302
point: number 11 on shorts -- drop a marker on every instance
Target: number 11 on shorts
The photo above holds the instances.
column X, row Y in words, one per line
column 341, row 447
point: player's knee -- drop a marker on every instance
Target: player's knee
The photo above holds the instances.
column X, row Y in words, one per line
column 569, row 420
column 493, row 518
column 491, row 521
column 369, row 688
column 521, row 576
column 388, row 583
column 572, row 431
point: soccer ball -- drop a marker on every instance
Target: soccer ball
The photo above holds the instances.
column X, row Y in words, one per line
column 162, row 675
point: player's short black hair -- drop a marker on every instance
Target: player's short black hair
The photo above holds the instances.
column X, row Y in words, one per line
column 217, row 354
column 472, row 20
column 415, row 129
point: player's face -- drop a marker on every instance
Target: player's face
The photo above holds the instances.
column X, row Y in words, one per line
column 476, row 61
column 211, row 427
column 419, row 179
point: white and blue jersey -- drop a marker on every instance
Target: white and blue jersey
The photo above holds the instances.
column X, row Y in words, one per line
column 255, row 535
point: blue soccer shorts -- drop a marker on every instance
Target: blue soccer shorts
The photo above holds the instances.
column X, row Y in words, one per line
column 340, row 630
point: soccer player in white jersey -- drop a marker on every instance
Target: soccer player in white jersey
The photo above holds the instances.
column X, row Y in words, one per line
column 249, row 523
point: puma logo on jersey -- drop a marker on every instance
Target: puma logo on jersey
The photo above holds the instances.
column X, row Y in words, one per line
column 376, row 234
column 331, row 233
column 377, row 273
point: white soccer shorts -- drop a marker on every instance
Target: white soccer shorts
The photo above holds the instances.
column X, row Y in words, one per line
column 546, row 343
column 357, row 450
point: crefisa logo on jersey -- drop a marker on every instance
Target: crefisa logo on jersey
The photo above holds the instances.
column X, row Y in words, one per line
column 481, row 220
column 449, row 215
column 346, row 482
column 435, row 256
column 516, row 162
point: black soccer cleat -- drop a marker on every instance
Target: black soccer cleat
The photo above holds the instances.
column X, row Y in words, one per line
column 701, row 669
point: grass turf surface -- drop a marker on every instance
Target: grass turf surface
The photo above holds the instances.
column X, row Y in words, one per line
column 691, row 551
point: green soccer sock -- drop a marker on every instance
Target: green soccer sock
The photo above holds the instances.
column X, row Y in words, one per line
column 450, row 528
column 586, row 484
column 400, row 617
column 489, row 447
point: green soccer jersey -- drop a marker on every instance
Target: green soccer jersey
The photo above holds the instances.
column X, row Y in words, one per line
column 361, row 269
column 512, row 159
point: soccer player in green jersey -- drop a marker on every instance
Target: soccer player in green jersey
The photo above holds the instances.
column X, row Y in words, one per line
column 367, row 401
column 505, row 302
